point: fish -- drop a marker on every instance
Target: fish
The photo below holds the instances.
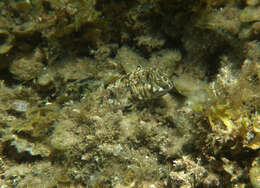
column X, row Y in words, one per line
column 141, row 85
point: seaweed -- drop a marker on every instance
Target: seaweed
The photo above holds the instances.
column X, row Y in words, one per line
column 138, row 93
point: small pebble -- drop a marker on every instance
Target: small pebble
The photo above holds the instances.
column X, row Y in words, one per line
column 20, row 105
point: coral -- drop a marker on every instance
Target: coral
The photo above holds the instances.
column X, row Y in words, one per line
column 129, row 59
column 256, row 28
column 35, row 175
column 150, row 42
column 6, row 41
column 27, row 68
column 23, row 7
column 105, row 51
column 186, row 172
column 233, row 169
column 252, row 2
column 230, row 108
column 23, row 145
column 194, row 90
column 63, row 138
column 254, row 173
column 168, row 59
column 18, row 98
column 38, row 121
column 234, row 114
column 250, row 14
column 225, row 20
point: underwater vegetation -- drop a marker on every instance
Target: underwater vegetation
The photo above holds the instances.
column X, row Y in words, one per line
column 141, row 93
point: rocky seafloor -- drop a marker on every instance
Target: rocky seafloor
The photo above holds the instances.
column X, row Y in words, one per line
column 130, row 93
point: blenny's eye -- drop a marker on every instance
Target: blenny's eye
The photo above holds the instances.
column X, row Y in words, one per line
column 161, row 89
